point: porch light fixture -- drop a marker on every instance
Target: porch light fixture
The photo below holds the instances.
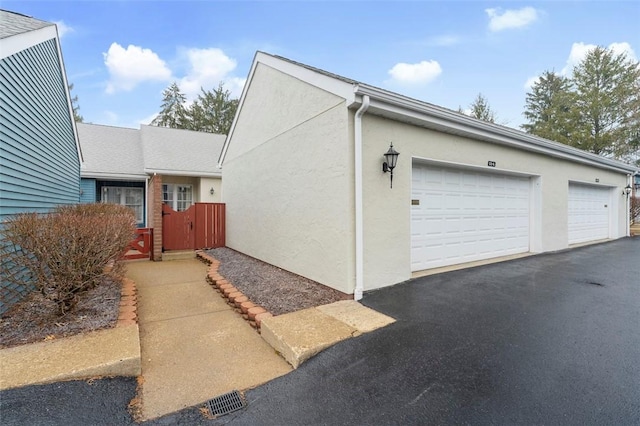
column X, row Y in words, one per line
column 391, row 157
column 627, row 190
column 211, row 191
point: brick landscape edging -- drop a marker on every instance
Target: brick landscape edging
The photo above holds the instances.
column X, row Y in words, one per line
column 128, row 312
column 251, row 312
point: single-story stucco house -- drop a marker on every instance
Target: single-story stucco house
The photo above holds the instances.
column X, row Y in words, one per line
column 305, row 188
column 39, row 152
column 148, row 167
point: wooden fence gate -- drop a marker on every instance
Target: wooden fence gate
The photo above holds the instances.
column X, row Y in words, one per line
column 142, row 246
column 200, row 226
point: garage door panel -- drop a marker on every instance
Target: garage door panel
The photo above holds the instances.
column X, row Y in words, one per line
column 588, row 213
column 464, row 216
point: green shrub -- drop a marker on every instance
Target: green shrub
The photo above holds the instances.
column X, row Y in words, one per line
column 66, row 252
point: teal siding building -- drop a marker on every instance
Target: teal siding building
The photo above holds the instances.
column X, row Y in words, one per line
column 39, row 150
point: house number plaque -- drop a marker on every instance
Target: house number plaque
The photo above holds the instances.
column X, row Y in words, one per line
column 415, row 202
column 491, row 164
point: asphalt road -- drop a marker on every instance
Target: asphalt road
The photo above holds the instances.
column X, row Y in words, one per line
column 549, row 339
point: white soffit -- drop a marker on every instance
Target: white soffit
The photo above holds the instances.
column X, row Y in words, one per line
column 19, row 42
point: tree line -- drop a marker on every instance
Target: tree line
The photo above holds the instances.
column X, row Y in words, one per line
column 212, row 111
column 596, row 108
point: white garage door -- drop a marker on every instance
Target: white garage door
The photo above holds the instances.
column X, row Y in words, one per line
column 589, row 208
column 461, row 216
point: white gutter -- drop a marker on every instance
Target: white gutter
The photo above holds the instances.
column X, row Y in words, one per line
column 165, row 172
column 357, row 294
column 112, row 176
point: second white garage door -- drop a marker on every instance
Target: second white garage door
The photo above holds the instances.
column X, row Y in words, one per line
column 589, row 210
column 459, row 215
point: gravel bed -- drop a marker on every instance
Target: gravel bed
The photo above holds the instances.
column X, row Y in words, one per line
column 275, row 289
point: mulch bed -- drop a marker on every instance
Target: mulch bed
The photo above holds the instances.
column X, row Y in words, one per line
column 276, row 290
column 35, row 319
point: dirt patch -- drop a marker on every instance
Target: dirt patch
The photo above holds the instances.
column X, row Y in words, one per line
column 35, row 318
column 275, row 289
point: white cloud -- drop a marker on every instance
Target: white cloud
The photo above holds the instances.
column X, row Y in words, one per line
column 207, row 68
column 420, row 73
column 443, row 40
column 132, row 66
column 623, row 47
column 579, row 52
column 509, row 19
column 147, row 120
column 63, row 29
column 530, row 82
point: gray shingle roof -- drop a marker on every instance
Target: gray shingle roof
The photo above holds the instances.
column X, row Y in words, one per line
column 12, row 23
column 110, row 151
column 113, row 152
column 176, row 150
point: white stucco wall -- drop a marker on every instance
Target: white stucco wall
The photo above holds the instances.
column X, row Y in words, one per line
column 204, row 190
column 288, row 181
column 387, row 254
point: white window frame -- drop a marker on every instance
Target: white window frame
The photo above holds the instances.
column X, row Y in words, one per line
column 179, row 197
column 122, row 192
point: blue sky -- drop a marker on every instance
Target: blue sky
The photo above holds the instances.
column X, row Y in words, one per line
column 120, row 55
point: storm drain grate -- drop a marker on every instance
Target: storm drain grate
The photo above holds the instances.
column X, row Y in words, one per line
column 227, row 403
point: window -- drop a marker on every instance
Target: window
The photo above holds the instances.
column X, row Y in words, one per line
column 130, row 197
column 178, row 197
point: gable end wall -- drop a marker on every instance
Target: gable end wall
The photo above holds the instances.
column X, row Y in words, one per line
column 288, row 180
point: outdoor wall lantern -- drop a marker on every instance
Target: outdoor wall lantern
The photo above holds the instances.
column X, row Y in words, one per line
column 627, row 190
column 211, row 191
column 391, row 157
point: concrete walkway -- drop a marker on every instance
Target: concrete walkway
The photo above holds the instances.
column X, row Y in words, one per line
column 194, row 347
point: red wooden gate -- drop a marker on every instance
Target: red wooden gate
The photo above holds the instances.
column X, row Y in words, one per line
column 142, row 246
column 200, row 226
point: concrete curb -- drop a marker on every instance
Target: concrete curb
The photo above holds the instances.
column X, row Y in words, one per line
column 108, row 352
column 298, row 336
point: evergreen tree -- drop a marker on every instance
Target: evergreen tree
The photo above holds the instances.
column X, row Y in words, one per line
column 213, row 111
column 75, row 107
column 173, row 112
column 607, row 87
column 597, row 109
column 481, row 110
column 550, row 108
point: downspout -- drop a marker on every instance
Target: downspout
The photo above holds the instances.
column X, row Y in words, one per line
column 627, row 204
column 146, row 202
column 357, row 294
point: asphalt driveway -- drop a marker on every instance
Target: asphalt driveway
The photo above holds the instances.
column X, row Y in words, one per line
column 549, row 339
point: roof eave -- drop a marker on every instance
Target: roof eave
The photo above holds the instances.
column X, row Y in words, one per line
column 449, row 121
column 113, row 176
column 189, row 173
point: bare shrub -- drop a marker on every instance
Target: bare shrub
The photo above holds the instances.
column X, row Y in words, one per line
column 68, row 251
column 635, row 208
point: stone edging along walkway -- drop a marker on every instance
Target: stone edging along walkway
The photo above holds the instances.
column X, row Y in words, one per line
column 128, row 311
column 251, row 312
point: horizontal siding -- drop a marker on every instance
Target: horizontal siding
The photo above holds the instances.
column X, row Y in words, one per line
column 88, row 191
column 40, row 166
